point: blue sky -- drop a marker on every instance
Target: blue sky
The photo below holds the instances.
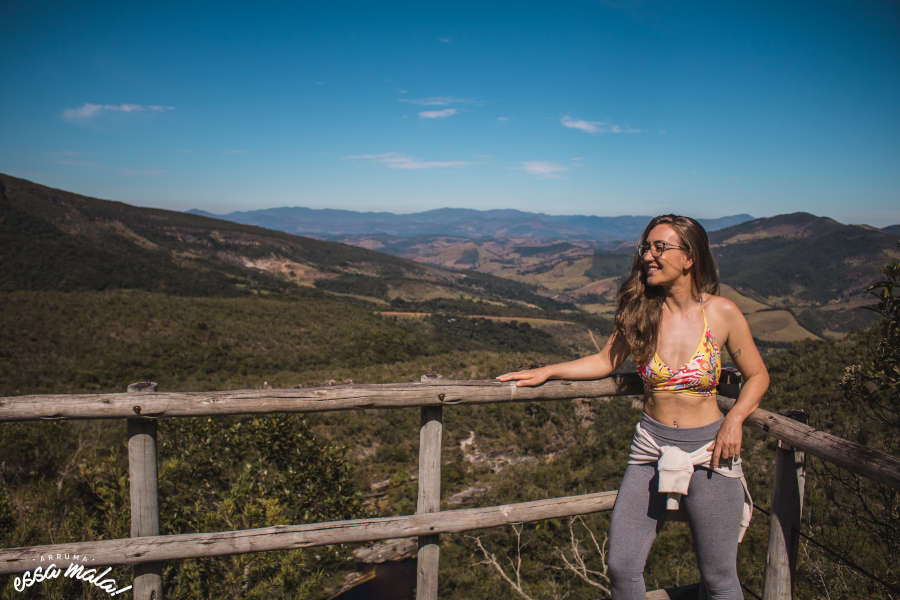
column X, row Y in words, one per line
column 604, row 108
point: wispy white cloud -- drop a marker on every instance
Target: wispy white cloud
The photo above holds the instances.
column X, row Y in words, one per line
column 543, row 169
column 437, row 114
column 582, row 125
column 89, row 110
column 595, row 126
column 445, row 40
column 396, row 160
column 235, row 151
column 439, row 101
column 503, row 118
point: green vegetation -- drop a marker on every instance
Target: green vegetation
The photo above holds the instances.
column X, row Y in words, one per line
column 507, row 288
column 97, row 294
column 609, row 264
column 469, row 257
column 100, row 341
column 849, row 388
column 361, row 285
column 38, row 256
column 813, row 259
column 246, row 473
column 527, row 251
column 66, row 481
column 820, row 320
column 55, row 240
column 849, row 514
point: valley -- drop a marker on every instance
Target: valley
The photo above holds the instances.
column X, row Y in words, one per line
column 97, row 294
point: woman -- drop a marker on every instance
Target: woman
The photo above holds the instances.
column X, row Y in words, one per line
column 685, row 452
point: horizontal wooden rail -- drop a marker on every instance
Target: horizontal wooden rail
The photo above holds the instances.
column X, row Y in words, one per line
column 288, row 537
column 876, row 465
column 340, row 397
column 854, row 457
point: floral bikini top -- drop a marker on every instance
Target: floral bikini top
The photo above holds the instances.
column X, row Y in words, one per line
column 699, row 376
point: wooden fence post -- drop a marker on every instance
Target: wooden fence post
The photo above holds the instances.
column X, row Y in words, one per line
column 429, row 500
column 784, row 522
column 730, row 382
column 142, row 477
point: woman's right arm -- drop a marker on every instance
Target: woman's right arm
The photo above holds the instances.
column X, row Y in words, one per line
column 595, row 366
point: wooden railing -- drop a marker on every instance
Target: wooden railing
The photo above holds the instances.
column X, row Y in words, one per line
column 146, row 550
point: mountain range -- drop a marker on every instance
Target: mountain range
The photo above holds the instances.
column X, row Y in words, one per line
column 56, row 240
column 458, row 222
column 795, row 276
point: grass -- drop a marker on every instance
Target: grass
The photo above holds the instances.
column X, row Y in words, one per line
column 78, row 342
column 778, row 326
column 745, row 303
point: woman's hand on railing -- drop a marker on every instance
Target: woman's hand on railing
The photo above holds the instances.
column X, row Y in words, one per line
column 727, row 445
column 595, row 366
column 528, row 377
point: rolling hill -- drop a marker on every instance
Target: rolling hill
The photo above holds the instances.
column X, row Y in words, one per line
column 56, row 240
column 800, row 258
column 810, row 268
column 808, row 271
column 458, row 222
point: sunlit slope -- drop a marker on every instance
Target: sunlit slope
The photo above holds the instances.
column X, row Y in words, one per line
column 57, row 240
column 85, row 341
column 801, row 258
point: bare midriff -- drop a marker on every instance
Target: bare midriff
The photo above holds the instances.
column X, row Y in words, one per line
column 682, row 410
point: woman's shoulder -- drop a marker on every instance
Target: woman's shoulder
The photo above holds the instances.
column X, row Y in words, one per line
column 721, row 307
column 722, row 316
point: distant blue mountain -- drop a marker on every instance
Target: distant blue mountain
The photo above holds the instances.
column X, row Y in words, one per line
column 462, row 222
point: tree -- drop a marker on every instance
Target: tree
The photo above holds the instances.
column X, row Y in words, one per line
column 871, row 416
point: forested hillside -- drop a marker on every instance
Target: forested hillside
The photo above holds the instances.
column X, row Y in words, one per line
column 56, row 240
column 103, row 294
column 66, row 481
column 812, row 259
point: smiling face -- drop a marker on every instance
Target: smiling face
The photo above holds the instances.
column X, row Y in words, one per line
column 672, row 264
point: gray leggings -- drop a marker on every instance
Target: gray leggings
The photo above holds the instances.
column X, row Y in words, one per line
column 713, row 506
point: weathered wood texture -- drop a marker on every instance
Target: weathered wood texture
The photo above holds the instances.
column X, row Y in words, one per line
column 854, row 457
column 850, row 455
column 342, row 397
column 287, row 537
column 784, row 521
column 144, row 492
column 429, row 500
column 430, row 435
column 142, row 478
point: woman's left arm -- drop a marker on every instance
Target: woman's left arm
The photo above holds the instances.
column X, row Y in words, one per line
column 743, row 350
